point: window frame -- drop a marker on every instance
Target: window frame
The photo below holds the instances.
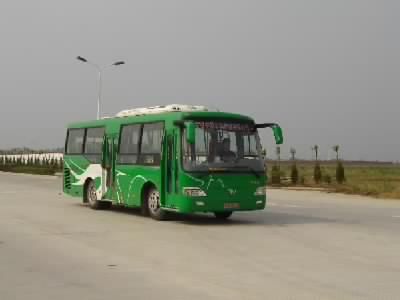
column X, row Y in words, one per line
column 67, row 141
column 139, row 153
column 225, row 171
column 121, row 128
column 85, row 140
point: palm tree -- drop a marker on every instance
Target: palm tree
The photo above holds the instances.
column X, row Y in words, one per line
column 293, row 153
column 315, row 149
column 336, row 149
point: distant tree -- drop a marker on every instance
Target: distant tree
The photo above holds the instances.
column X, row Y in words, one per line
column 60, row 163
column 340, row 176
column 293, row 153
column 294, row 174
column 275, row 175
column 317, row 173
column 336, row 149
column 317, row 168
column 315, row 148
column 327, row 178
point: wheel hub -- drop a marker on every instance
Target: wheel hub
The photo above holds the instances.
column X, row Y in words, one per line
column 154, row 201
column 92, row 194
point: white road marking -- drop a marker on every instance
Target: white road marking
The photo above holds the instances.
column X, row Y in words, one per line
column 395, row 216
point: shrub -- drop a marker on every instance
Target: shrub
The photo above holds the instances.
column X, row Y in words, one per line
column 340, row 177
column 294, row 175
column 317, row 173
column 327, row 178
column 275, row 175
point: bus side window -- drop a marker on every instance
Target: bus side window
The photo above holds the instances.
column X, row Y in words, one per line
column 150, row 152
column 94, row 144
column 129, row 144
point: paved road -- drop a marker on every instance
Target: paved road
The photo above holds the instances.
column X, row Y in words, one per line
column 307, row 245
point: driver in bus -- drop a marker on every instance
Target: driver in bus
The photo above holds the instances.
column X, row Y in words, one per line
column 226, row 154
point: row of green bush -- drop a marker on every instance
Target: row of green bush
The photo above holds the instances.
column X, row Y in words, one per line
column 31, row 164
column 318, row 176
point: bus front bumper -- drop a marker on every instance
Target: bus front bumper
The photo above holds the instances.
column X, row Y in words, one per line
column 205, row 204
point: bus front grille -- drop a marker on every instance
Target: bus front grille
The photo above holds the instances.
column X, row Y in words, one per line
column 67, row 178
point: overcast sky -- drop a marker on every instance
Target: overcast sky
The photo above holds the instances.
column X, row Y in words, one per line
column 327, row 71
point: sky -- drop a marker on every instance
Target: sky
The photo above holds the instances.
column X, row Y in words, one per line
column 327, row 71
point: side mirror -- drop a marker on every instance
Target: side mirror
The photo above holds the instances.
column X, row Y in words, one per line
column 277, row 130
column 278, row 134
column 191, row 133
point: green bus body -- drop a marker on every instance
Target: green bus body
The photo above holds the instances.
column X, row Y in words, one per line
column 124, row 177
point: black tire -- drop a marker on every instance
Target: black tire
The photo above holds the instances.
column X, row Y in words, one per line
column 223, row 215
column 91, row 197
column 152, row 204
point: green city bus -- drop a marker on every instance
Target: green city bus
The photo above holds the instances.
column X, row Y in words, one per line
column 179, row 158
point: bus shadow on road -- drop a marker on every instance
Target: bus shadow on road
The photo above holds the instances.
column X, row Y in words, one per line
column 265, row 218
column 251, row 219
column 262, row 218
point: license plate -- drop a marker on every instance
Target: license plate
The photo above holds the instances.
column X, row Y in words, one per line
column 231, row 205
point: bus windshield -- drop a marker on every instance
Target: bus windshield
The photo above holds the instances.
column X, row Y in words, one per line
column 223, row 146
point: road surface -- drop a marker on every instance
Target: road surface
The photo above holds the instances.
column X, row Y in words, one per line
column 306, row 245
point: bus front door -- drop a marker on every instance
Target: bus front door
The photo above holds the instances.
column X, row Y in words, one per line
column 108, row 167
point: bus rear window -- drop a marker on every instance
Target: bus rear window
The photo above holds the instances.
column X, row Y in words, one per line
column 75, row 141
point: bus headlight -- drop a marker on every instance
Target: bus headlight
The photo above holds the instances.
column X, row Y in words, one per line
column 260, row 191
column 194, row 192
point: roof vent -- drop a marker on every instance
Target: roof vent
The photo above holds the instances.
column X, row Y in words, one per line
column 160, row 109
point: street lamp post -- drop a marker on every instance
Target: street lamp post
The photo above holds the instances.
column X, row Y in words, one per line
column 99, row 70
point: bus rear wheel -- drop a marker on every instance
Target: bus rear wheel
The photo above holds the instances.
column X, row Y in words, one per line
column 223, row 215
column 91, row 197
column 154, row 205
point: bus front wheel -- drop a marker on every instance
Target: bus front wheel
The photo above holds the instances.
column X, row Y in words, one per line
column 223, row 215
column 154, row 206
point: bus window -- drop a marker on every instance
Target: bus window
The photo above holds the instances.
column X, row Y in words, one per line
column 226, row 145
column 150, row 152
column 129, row 144
column 251, row 146
column 75, row 141
column 94, row 144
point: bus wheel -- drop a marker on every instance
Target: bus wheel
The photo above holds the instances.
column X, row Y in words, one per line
column 153, row 205
column 91, row 197
column 223, row 215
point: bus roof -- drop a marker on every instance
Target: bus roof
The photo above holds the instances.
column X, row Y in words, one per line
column 164, row 116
